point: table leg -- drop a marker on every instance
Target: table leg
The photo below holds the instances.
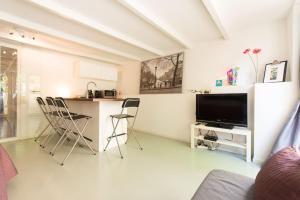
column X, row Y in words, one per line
column 192, row 137
column 248, row 148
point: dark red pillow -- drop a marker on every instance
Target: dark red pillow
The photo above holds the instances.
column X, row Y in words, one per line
column 279, row 178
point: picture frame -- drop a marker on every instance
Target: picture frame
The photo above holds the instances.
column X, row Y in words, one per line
column 162, row 75
column 275, row 72
column 219, row 83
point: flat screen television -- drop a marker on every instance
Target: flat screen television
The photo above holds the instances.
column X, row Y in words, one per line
column 222, row 110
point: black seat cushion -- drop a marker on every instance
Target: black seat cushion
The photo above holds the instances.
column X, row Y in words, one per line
column 121, row 116
column 64, row 113
column 77, row 117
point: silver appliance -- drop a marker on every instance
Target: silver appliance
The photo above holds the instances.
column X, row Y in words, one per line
column 109, row 94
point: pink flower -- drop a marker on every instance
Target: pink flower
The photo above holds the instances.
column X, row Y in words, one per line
column 256, row 51
column 246, row 51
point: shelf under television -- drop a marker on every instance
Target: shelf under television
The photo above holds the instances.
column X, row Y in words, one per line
column 235, row 131
column 223, row 142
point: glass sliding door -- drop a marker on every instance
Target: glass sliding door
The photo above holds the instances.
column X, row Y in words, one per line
column 8, row 92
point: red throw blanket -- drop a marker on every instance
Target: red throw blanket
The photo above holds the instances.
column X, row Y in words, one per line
column 7, row 171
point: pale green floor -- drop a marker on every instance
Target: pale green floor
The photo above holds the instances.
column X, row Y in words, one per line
column 166, row 169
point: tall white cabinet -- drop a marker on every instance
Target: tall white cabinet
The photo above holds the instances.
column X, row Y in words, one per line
column 273, row 104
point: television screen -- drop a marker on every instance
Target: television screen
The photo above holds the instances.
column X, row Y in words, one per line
column 222, row 108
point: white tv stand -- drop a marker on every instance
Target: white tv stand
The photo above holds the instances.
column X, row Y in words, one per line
column 235, row 131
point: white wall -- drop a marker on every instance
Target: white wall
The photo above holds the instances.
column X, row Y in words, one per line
column 56, row 72
column 129, row 78
column 209, row 61
column 170, row 115
column 293, row 27
column 297, row 42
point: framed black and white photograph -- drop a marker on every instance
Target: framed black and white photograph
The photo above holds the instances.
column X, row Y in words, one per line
column 275, row 72
column 162, row 75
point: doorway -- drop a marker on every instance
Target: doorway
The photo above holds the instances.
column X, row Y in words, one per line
column 8, row 92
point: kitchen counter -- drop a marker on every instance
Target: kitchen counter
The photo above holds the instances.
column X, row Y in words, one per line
column 93, row 100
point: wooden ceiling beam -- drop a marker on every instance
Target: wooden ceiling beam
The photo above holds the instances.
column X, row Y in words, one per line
column 58, row 34
column 216, row 18
column 86, row 21
column 157, row 23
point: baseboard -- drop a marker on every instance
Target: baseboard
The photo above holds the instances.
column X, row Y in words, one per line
column 223, row 148
column 14, row 139
column 259, row 162
column 150, row 133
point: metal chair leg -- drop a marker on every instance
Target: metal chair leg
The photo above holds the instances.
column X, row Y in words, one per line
column 67, row 156
column 60, row 139
column 48, row 140
column 38, row 137
column 119, row 146
column 45, row 140
column 55, row 125
column 114, row 135
column 140, row 147
column 109, row 139
column 63, row 136
column 107, row 144
column 114, row 130
column 130, row 133
column 58, row 144
column 81, row 136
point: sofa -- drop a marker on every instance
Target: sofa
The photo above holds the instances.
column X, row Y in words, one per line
column 278, row 179
column 224, row 185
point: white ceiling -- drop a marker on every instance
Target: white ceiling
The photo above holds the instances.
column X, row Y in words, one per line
column 188, row 18
column 120, row 30
column 56, row 44
column 237, row 14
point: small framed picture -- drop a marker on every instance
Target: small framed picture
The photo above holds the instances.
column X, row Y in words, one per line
column 219, row 83
column 275, row 72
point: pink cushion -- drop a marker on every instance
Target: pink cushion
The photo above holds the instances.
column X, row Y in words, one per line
column 7, row 171
column 279, row 178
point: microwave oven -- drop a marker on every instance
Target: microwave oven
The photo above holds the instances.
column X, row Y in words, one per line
column 108, row 94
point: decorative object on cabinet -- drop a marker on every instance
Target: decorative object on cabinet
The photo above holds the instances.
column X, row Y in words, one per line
column 196, row 91
column 255, row 53
column 162, row 75
column 232, row 76
column 275, row 72
column 201, row 91
column 219, row 83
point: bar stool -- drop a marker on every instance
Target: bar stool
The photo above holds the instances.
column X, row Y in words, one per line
column 50, row 113
column 46, row 113
column 128, row 103
column 71, row 128
column 56, row 120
